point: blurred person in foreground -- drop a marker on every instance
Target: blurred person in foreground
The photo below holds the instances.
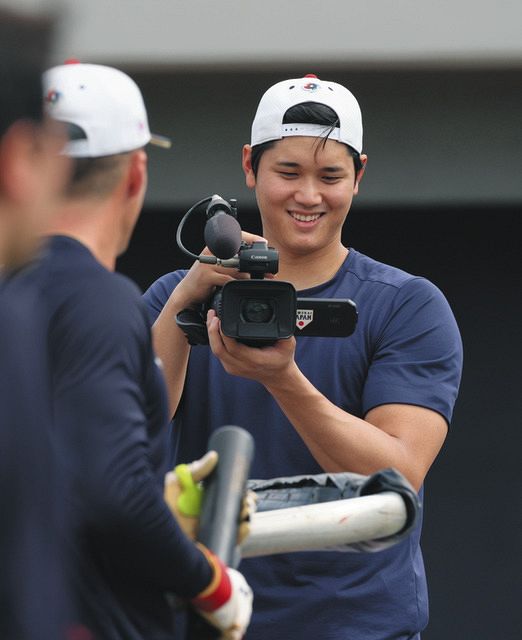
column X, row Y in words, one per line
column 380, row 398
column 33, row 589
column 108, row 394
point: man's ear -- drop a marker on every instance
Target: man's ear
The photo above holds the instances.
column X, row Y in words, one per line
column 136, row 175
column 360, row 173
column 250, row 177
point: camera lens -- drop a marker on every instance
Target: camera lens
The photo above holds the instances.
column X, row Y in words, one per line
column 257, row 311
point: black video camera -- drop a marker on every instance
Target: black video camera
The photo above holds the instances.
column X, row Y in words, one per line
column 256, row 312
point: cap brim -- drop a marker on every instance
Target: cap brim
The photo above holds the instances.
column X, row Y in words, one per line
column 160, row 141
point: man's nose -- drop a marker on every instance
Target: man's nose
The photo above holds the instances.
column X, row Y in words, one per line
column 308, row 193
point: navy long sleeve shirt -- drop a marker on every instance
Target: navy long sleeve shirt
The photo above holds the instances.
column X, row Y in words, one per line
column 34, row 601
column 111, row 423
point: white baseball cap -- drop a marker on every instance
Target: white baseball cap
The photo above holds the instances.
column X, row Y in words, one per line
column 104, row 106
column 268, row 121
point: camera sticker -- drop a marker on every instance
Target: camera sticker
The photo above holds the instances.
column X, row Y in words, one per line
column 303, row 318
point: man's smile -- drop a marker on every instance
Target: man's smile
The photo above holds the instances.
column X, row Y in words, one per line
column 305, row 217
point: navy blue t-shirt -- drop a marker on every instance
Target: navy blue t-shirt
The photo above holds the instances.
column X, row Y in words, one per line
column 34, row 603
column 110, row 420
column 406, row 349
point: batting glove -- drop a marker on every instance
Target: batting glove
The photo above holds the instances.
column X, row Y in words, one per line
column 227, row 602
column 183, row 493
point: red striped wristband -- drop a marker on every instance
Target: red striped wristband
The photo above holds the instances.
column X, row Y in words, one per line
column 219, row 590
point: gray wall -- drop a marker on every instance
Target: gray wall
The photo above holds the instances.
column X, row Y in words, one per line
column 210, row 32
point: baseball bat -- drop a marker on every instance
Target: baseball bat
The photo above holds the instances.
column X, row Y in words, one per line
column 221, row 506
column 325, row 525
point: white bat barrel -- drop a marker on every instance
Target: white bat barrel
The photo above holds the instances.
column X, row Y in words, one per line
column 325, row 525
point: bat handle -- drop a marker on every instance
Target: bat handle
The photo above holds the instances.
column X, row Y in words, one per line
column 220, row 510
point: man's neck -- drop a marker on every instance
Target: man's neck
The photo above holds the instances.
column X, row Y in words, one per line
column 307, row 271
column 92, row 224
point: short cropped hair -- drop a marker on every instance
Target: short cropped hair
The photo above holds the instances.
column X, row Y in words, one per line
column 95, row 177
column 24, row 47
column 307, row 113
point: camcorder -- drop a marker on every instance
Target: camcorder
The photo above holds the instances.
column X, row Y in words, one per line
column 258, row 311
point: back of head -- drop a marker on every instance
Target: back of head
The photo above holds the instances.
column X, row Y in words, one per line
column 24, row 45
column 31, row 176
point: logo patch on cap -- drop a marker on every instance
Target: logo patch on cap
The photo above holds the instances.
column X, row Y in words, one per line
column 311, row 86
column 52, row 96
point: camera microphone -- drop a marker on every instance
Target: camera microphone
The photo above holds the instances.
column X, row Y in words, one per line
column 222, row 231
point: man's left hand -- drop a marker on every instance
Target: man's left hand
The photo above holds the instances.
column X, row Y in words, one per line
column 261, row 364
column 183, row 492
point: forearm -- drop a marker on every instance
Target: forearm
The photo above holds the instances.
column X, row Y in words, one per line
column 405, row 436
column 170, row 343
column 338, row 440
column 134, row 521
column 118, row 493
column 171, row 346
column 143, row 528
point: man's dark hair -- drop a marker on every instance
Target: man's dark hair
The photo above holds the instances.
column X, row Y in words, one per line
column 307, row 113
column 24, row 46
column 95, row 177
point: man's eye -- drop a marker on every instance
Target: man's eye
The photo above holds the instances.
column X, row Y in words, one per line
column 288, row 174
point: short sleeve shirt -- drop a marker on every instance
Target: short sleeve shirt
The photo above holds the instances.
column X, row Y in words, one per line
column 406, row 349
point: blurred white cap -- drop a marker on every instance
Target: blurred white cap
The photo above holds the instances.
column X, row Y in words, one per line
column 104, row 106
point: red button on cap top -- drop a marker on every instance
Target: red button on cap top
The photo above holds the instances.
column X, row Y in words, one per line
column 310, row 75
column 72, row 61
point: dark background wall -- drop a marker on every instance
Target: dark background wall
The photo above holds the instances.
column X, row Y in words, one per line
column 432, row 136
column 471, row 532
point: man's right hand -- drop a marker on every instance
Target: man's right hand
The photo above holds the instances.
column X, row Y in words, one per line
column 170, row 342
column 201, row 280
column 227, row 602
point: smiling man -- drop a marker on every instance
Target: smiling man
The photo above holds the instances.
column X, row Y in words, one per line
column 380, row 398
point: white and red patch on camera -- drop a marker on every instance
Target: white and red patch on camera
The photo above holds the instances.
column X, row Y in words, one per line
column 304, row 317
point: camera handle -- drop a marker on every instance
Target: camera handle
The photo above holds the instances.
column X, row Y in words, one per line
column 193, row 324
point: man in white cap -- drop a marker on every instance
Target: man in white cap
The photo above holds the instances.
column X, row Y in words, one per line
column 381, row 398
column 108, row 395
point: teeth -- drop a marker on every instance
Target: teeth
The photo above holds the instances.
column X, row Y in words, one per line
column 302, row 218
